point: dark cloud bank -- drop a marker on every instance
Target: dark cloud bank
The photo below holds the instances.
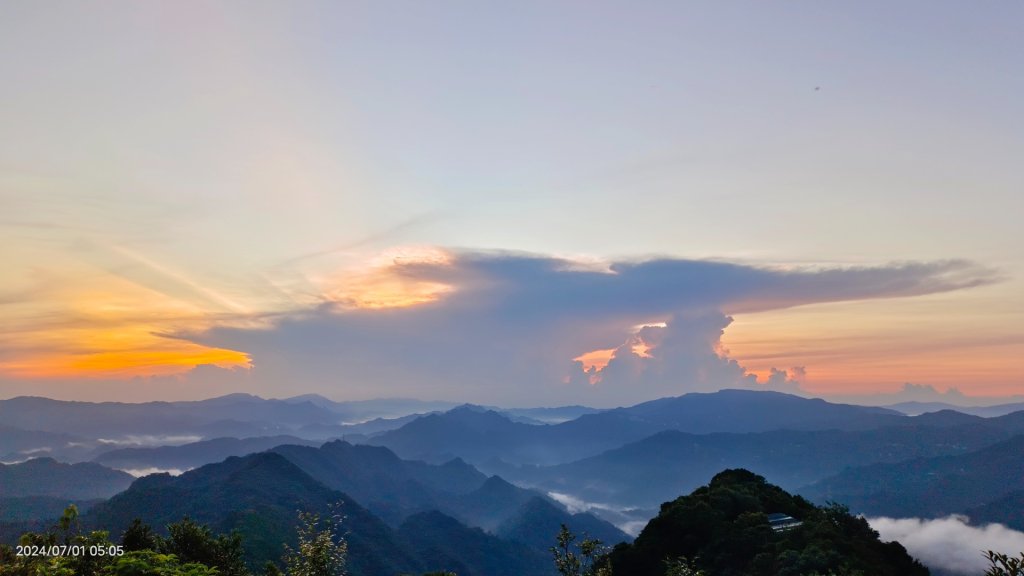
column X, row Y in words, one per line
column 509, row 329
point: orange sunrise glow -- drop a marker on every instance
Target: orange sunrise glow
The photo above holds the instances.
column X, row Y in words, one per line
column 125, row 364
column 595, row 359
column 324, row 276
column 382, row 284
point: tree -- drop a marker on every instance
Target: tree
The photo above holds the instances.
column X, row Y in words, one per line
column 195, row 543
column 681, row 566
column 723, row 529
column 113, row 561
column 1004, row 565
column 322, row 551
column 139, row 536
column 67, row 532
column 588, row 558
column 151, row 563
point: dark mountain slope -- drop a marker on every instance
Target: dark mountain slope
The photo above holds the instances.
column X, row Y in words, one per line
column 1012, row 423
column 258, row 495
column 391, row 487
column 928, row 487
column 647, row 472
column 47, row 477
column 445, row 544
column 43, row 508
column 1007, row 509
column 488, row 506
column 394, row 489
column 537, row 523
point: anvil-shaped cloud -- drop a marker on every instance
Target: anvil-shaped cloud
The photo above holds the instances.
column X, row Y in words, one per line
column 510, row 326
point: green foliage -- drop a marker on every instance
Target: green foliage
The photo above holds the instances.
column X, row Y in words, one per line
column 139, row 536
column 132, row 563
column 681, row 566
column 724, row 528
column 195, row 543
column 150, row 563
column 588, row 558
column 175, row 556
column 1004, row 565
column 321, row 549
column 67, row 532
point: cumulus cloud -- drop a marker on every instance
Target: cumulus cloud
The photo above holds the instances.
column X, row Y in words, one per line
column 950, row 543
column 925, row 394
column 509, row 326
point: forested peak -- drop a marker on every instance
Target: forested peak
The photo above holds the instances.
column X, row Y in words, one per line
column 739, row 524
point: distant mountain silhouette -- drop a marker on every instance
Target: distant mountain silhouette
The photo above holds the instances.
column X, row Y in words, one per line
column 650, row 471
column 481, row 436
column 191, row 455
column 357, row 411
column 468, row 432
column 914, row 408
column 758, row 411
column 362, row 429
column 47, row 477
column 947, row 418
column 115, row 419
column 1007, row 509
column 18, row 445
column 547, row 415
column 929, row 487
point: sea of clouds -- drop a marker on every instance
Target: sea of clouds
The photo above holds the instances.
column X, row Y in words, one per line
column 950, row 544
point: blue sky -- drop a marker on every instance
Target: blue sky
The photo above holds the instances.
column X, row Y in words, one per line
column 170, row 169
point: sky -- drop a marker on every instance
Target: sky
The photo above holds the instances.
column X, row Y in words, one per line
column 528, row 203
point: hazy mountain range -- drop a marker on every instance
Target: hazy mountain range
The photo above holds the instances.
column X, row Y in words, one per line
column 413, row 483
column 392, row 509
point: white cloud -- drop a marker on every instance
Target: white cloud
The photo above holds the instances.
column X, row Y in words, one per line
column 576, row 505
column 133, row 440
column 139, row 472
column 629, row 520
column 508, row 329
column 950, row 543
